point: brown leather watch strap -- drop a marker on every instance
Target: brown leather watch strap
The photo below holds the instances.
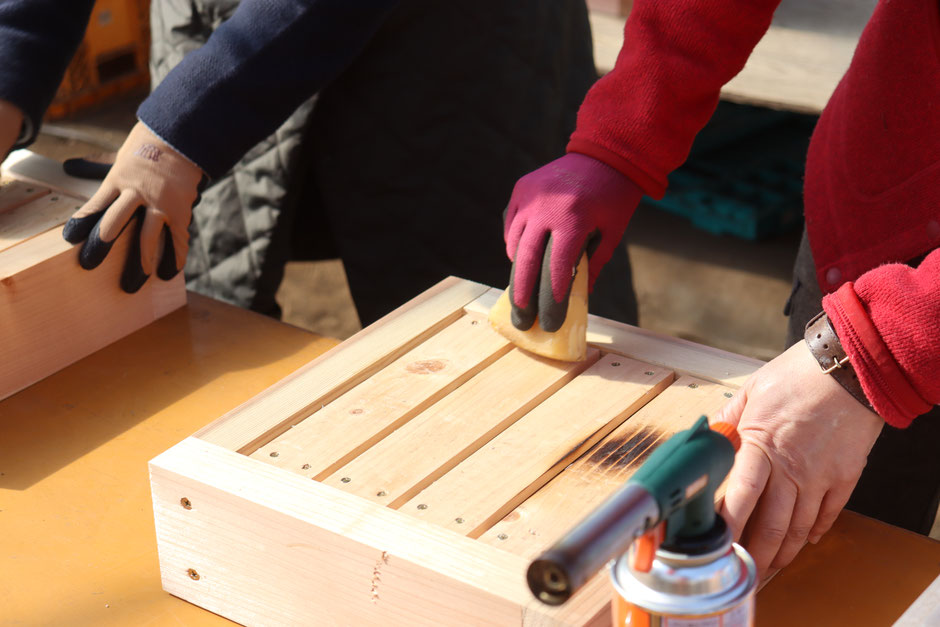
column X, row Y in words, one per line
column 825, row 346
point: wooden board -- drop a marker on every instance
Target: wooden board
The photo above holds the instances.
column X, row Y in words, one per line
column 52, row 312
column 796, row 66
column 380, row 482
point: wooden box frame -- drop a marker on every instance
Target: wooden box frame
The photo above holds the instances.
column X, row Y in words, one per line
column 263, row 545
column 52, row 312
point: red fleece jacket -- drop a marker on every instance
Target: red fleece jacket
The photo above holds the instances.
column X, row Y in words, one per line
column 872, row 193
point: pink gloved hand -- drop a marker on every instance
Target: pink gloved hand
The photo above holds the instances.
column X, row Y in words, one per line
column 571, row 205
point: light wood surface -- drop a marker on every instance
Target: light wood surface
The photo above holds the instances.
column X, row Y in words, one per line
column 53, row 312
column 76, row 521
column 796, row 66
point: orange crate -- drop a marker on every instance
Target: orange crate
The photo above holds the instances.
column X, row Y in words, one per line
column 111, row 60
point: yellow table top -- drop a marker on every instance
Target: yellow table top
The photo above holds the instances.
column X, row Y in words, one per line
column 77, row 543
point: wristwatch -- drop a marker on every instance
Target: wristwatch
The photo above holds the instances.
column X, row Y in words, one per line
column 825, row 346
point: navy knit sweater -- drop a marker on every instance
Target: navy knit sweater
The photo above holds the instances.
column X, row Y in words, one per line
column 223, row 98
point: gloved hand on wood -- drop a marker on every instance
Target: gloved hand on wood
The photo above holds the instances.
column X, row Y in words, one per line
column 11, row 124
column 152, row 188
column 571, row 205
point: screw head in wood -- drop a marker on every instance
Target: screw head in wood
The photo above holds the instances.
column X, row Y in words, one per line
column 273, row 453
column 693, row 385
column 503, row 536
column 615, row 363
column 649, row 373
column 728, row 394
column 422, row 506
column 459, row 521
column 186, row 503
column 193, row 574
column 305, row 467
column 381, row 493
column 345, row 479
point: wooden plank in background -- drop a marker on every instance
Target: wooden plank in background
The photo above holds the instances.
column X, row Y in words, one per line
column 339, row 431
column 34, row 217
column 527, row 455
column 323, row 380
column 445, row 434
column 575, row 492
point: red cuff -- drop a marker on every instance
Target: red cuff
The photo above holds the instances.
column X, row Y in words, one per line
column 653, row 187
column 882, row 379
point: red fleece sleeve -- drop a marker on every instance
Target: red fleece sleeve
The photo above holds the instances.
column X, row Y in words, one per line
column 889, row 324
column 641, row 118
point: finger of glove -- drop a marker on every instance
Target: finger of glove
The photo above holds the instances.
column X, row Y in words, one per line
column 86, row 169
column 80, row 225
column 524, row 278
column 133, row 277
column 119, row 215
column 513, row 230
column 175, row 248
column 150, row 235
column 600, row 249
column 555, row 281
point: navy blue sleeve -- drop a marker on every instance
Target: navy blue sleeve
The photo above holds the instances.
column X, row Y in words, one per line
column 37, row 41
column 252, row 73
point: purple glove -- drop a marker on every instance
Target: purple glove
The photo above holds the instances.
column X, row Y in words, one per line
column 571, row 205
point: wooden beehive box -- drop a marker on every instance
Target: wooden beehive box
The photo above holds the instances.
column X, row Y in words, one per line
column 408, row 476
column 52, row 312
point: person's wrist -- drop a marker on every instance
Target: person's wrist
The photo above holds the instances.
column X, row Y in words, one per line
column 826, row 348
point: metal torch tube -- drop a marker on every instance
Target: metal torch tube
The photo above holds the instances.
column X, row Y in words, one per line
column 605, row 534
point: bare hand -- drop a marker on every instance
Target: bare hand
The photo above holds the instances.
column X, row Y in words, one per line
column 804, row 443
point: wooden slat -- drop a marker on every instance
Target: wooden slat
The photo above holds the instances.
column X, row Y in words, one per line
column 37, row 216
column 438, row 439
column 683, row 356
column 269, row 547
column 575, row 492
column 343, row 429
column 527, row 455
column 266, row 416
column 15, row 193
column 39, row 278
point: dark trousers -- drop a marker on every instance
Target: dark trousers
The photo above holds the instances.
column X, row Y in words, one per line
column 901, row 483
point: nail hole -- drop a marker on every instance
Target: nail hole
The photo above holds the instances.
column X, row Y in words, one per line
column 459, row 521
column 53, row 199
column 193, row 574
column 305, row 467
column 502, row 536
column 474, row 322
column 825, row 347
column 185, row 503
column 273, row 453
column 422, row 506
column 818, row 335
column 345, row 479
column 381, row 493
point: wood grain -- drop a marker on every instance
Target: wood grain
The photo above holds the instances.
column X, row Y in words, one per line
column 528, row 454
column 261, row 545
column 34, row 217
column 650, row 347
column 439, row 438
column 323, row 380
column 14, row 193
column 582, row 486
column 339, row 431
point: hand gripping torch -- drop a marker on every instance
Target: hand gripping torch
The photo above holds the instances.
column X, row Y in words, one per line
column 669, row 502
